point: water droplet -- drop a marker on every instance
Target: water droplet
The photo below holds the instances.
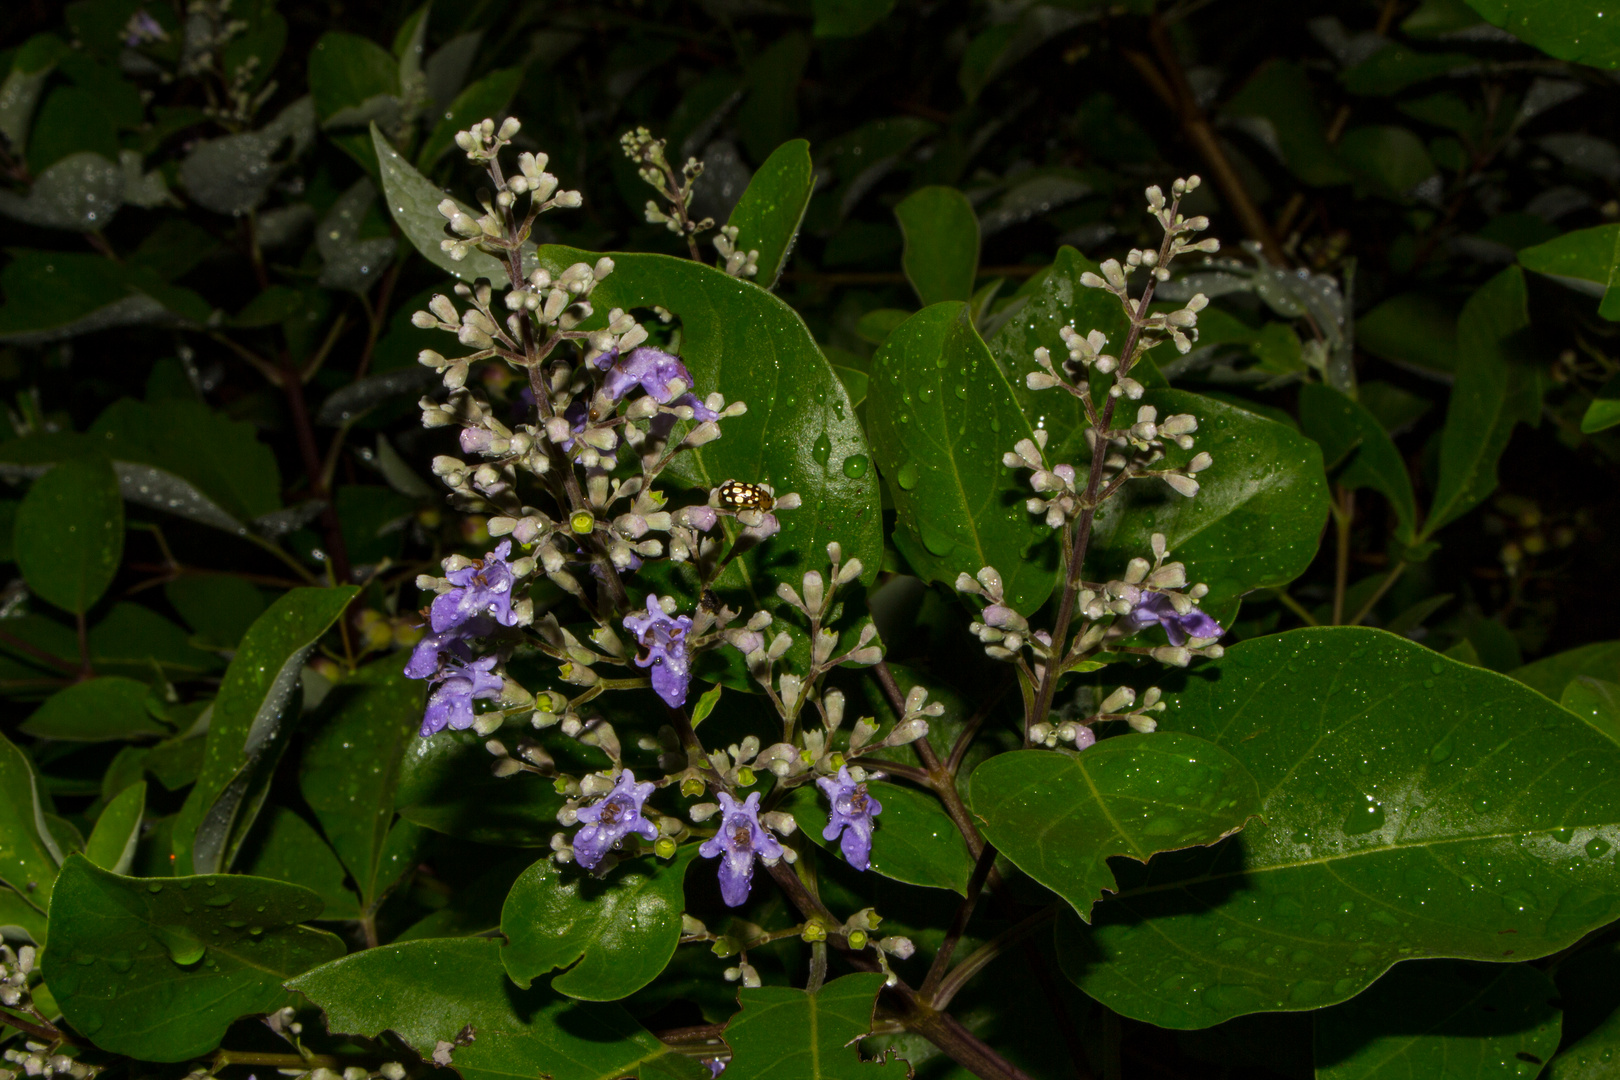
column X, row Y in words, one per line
column 908, row 475
column 995, row 424
column 855, row 466
column 1563, row 835
column 1441, row 750
column 933, row 539
column 927, row 394
column 1365, row 818
column 1597, row 847
column 120, row 961
column 154, row 887
column 185, row 948
column 821, row 449
column 1518, row 901
column 961, row 392
column 1436, row 666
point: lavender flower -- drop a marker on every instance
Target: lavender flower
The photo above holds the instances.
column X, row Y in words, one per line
column 142, row 28
column 654, row 371
column 852, row 813
column 450, row 704
column 716, row 1066
column 740, row 839
column 482, row 589
column 667, row 652
column 611, row 820
column 1156, row 607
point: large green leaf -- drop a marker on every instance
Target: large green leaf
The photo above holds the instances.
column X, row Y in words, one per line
column 613, row 934
column 941, row 414
column 253, row 719
column 1568, row 29
column 800, row 432
column 221, row 457
column 1550, row 674
column 445, row 784
column 768, row 215
column 29, row 855
column 1591, row 1057
column 347, row 72
column 378, row 709
column 915, row 840
column 69, row 534
column 1491, row 395
column 942, row 243
column 1353, row 441
column 158, row 968
column 1584, row 260
column 426, row 992
column 53, row 295
column 784, row 1033
column 1443, row 1020
column 1061, row 816
column 1412, row 806
column 848, row 18
column 284, row 847
column 95, row 710
column 1257, row 517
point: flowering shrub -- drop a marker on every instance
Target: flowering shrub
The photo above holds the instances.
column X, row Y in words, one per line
column 724, row 667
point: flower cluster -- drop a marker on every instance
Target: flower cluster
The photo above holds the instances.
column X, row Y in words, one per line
column 570, row 476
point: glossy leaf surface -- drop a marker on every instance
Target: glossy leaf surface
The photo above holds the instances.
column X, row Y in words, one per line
column 414, row 203
column 914, row 840
column 284, row 847
column 1060, row 816
column 1256, row 519
column 768, row 215
column 941, row 414
column 942, row 243
column 29, row 854
column 445, row 785
column 378, row 709
column 158, row 968
column 110, row 707
column 1445, row 1020
column 1412, row 806
column 426, row 992
column 612, row 935
column 111, row 844
column 69, row 534
column 251, row 725
column 1591, row 1057
column 1568, row 30
column 1550, row 674
column 782, row 1032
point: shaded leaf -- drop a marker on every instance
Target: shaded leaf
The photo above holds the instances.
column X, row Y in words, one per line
column 1551, row 674
column 1353, row 442
column 1060, row 816
column 80, row 192
column 413, row 201
column 1412, row 807
column 1569, row 31
column 942, row 243
column 233, row 174
column 349, row 73
column 158, row 968
column 29, row 855
column 69, row 535
column 768, row 215
column 445, row 785
column 426, row 992
column 111, row 845
column 1591, row 1057
column 488, row 97
column 914, row 841
column 848, row 18
column 96, row 710
column 284, row 847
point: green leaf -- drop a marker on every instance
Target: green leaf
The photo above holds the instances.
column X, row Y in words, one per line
column 219, row 608
column 740, row 340
column 1353, row 441
column 1490, row 396
column 284, row 847
column 112, row 842
column 1392, row 160
column 69, row 534
column 233, row 174
column 1395, row 67
column 1279, row 95
column 487, row 97
column 80, row 192
column 705, row 705
column 783, row 1032
column 29, row 855
column 1584, row 260
column 941, row 413
column 942, row 243
column 379, row 709
column 1258, row 515
column 1591, row 1057
column 158, row 968
column 445, row 785
column 1414, row 330
column 1597, row 701
column 1412, row 807
column 1568, row 29
column 1061, row 816
column 612, row 935
column 96, row 710
column 1551, row 674
column 30, row 67
column 413, row 201
column 772, row 207
column 253, row 717
column 132, row 638
column 426, row 992
column 1604, row 411
column 848, row 18
column 347, row 72
column 915, row 840
column 17, row 914
column 1442, row 1020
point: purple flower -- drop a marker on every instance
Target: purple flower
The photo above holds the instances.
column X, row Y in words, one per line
column 852, row 813
column 482, row 589
column 425, row 657
column 611, row 820
column 652, row 369
column 667, row 652
column 716, row 1067
column 740, row 839
column 142, row 28
column 1156, row 607
column 450, row 704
